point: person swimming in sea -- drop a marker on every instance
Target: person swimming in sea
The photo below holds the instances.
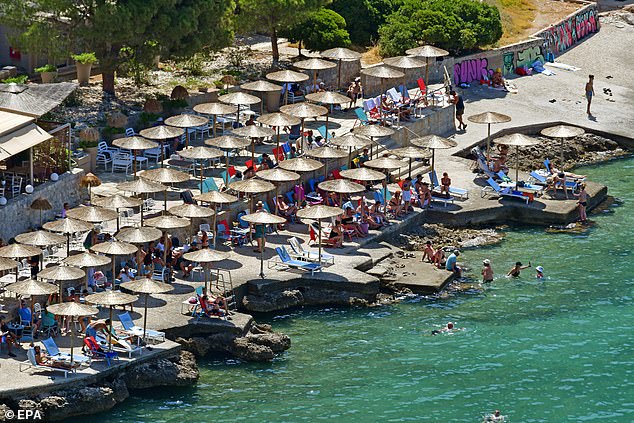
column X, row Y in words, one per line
column 540, row 272
column 517, row 269
column 496, row 416
column 449, row 328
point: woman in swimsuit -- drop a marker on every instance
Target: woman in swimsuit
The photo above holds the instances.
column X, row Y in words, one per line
column 582, row 203
column 336, row 235
column 516, row 270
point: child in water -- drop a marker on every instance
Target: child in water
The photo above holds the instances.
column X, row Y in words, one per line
column 540, row 272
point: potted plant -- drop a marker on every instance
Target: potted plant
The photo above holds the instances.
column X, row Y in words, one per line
column 83, row 63
column 88, row 141
column 48, row 73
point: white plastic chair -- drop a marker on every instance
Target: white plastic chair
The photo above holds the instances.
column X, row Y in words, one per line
column 122, row 161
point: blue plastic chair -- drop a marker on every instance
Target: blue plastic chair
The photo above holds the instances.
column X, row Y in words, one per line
column 208, row 185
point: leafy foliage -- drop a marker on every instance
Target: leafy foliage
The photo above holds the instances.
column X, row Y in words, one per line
column 364, row 17
column 85, row 58
column 46, row 68
column 273, row 16
column 320, row 30
column 455, row 25
column 179, row 27
column 20, row 79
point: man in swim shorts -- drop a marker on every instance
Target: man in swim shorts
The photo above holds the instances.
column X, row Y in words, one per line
column 589, row 92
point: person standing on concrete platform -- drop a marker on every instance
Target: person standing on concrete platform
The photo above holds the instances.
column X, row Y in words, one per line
column 458, row 101
column 589, row 92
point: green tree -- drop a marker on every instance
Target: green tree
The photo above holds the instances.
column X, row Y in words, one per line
column 272, row 16
column 119, row 30
column 364, row 17
column 455, row 25
column 321, row 30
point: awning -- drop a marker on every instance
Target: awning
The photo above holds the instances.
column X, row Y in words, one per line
column 22, row 139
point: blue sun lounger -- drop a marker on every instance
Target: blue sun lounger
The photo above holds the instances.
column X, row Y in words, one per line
column 287, row 261
column 504, row 192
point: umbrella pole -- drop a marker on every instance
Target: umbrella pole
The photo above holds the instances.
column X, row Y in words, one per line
column 40, row 218
column 302, row 138
column 186, row 137
column 214, row 128
column 72, row 335
column 252, row 153
column 426, row 70
column 277, row 159
column 489, row 146
column 109, row 331
column 349, row 157
column 327, row 134
column 145, row 315
column 204, row 265
column 562, row 169
column 410, row 167
column 262, row 255
column 517, row 165
column 277, row 188
column 319, row 236
column 215, row 230
column 164, row 201
column 114, row 270
column 134, row 163
column 226, row 168
column 433, row 160
column 201, row 176
column 67, row 247
column 315, row 80
column 339, row 75
column 238, row 116
column 162, row 153
column 118, row 218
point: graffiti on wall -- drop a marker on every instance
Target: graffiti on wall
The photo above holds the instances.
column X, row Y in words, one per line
column 570, row 31
column 471, row 70
column 527, row 56
column 508, row 63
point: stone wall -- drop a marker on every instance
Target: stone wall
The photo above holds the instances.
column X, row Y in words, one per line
column 17, row 217
column 349, row 70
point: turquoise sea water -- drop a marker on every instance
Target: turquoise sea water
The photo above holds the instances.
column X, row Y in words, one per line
column 559, row 350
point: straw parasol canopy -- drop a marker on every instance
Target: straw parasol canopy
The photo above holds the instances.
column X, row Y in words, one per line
column 228, row 142
column 328, row 97
column 19, row 251
column 304, row 110
column 167, row 222
column 278, row 175
column 373, row 131
column 216, row 197
column 7, row 264
column 88, row 181
column 34, row 99
column 61, row 273
column 40, row 238
column 186, row 121
column 111, row 298
column 206, row 255
column 433, row 142
column 300, row 164
column 161, row 132
column 239, row 98
column 201, row 153
column 68, row 226
column 384, row 163
column 117, row 201
column 72, row 309
column 562, row 131
column 261, row 86
column 363, row 174
column 326, row 152
column 489, row 118
column 340, row 53
column 517, row 140
column 351, row 140
column 191, row 211
column 252, row 186
column 253, row 131
column 41, row 204
column 138, row 235
column 263, row 218
column 318, row 213
column 341, row 186
column 92, row 214
column 404, row 62
column 279, row 119
column 427, row 51
column 134, row 143
column 32, row 287
column 141, row 186
column 114, row 248
column 287, row 76
column 87, row 259
column 382, row 72
column 410, row 153
column 165, row 176
column 314, row 64
column 147, row 286
column 215, row 109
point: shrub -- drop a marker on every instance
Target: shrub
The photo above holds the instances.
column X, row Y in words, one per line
column 46, row 68
column 20, row 79
column 455, row 25
column 364, row 17
column 85, row 58
column 320, row 30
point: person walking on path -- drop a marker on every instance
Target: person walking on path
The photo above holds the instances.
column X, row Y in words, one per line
column 589, row 92
column 458, row 101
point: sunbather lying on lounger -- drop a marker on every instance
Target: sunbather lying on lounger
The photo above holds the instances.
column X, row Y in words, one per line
column 213, row 306
column 569, row 175
column 44, row 360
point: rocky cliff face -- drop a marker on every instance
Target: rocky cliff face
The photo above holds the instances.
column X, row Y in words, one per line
column 179, row 370
column 259, row 344
column 294, row 297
